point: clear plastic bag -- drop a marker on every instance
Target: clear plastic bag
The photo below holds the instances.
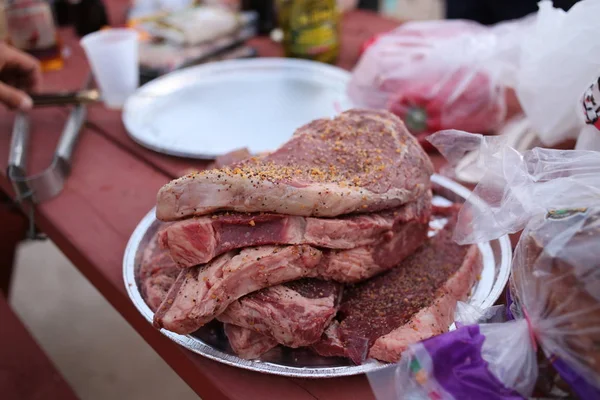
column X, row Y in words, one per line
column 555, row 283
column 559, row 61
column 516, row 187
column 440, row 74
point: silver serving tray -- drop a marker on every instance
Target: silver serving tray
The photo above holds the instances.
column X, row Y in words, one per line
column 210, row 341
column 214, row 108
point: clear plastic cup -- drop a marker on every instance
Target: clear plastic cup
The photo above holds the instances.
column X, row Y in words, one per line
column 113, row 56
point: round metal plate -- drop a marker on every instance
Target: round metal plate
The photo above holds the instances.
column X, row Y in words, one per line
column 212, row 109
column 211, row 343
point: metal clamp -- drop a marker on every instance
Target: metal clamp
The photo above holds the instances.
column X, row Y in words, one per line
column 40, row 187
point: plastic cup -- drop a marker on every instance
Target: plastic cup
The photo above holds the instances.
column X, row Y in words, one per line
column 113, row 56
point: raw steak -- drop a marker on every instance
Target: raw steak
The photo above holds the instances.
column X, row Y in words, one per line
column 416, row 300
column 295, row 314
column 203, row 292
column 331, row 344
column 356, row 265
column 198, row 240
column 247, row 343
column 361, row 161
column 157, row 274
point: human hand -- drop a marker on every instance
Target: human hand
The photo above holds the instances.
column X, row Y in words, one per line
column 19, row 72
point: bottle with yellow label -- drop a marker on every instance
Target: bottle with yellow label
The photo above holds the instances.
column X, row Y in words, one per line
column 310, row 29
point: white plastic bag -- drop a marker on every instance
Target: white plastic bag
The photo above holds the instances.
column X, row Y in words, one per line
column 560, row 59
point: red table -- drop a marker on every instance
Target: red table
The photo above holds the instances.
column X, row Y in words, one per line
column 113, row 184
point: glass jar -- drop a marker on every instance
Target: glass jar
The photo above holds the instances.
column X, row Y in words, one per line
column 31, row 28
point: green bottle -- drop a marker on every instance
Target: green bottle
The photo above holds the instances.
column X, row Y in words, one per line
column 310, row 29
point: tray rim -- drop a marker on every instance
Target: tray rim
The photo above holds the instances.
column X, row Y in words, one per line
column 209, row 352
column 219, row 67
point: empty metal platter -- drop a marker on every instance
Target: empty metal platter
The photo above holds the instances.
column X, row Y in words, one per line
column 211, row 342
column 214, row 108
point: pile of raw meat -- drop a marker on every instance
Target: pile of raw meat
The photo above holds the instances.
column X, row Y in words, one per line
column 321, row 244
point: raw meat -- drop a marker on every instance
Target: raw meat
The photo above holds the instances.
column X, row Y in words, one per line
column 198, row 240
column 361, row 161
column 331, row 344
column 157, row 274
column 247, row 343
column 295, row 314
column 416, row 300
column 355, row 265
column 203, row 292
column 434, row 319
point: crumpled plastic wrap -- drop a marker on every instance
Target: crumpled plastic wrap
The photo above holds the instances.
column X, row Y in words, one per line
column 441, row 74
column 559, row 61
column 516, row 187
column 555, row 283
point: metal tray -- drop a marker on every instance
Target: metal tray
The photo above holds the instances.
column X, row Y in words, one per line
column 210, row 341
column 212, row 109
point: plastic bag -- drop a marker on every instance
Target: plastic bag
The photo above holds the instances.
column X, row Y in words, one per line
column 467, row 363
column 555, row 280
column 440, row 74
column 515, row 187
column 560, row 59
column 467, row 314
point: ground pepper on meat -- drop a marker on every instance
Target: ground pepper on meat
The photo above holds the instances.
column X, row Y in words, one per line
column 376, row 307
column 344, row 143
column 314, row 288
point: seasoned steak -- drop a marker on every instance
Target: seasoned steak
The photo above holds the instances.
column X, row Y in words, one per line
column 359, row 162
column 295, row 314
column 201, row 293
column 416, row 300
column 198, row 240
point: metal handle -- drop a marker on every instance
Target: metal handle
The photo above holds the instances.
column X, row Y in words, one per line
column 70, row 134
column 68, row 139
column 17, row 156
column 19, row 141
column 66, row 98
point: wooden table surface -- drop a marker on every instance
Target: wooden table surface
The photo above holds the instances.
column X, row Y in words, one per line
column 114, row 183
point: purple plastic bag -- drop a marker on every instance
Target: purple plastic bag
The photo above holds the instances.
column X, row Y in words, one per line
column 449, row 366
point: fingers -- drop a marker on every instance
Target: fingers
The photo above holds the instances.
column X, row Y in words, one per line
column 14, row 98
column 27, row 65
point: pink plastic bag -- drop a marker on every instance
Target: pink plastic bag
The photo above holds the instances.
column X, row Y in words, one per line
column 441, row 74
